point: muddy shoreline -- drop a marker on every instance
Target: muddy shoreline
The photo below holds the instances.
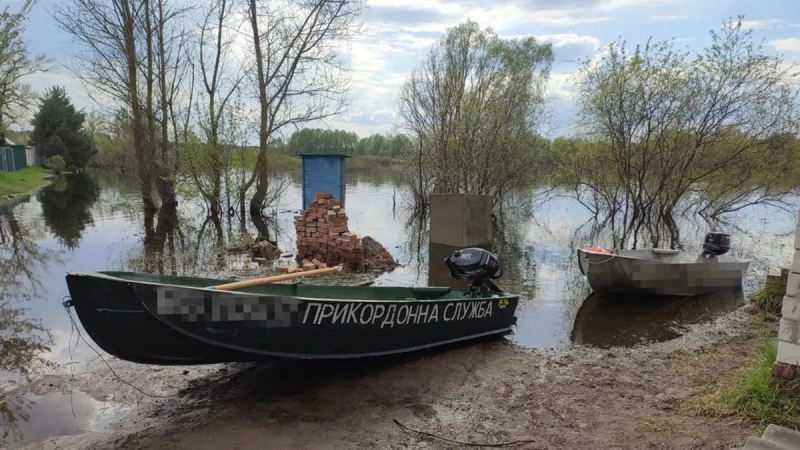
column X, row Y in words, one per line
column 485, row 392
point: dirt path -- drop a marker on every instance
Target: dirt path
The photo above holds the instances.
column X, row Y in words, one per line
column 489, row 392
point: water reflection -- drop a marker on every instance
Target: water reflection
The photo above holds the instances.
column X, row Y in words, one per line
column 626, row 321
column 22, row 338
column 66, row 206
column 78, row 226
column 59, row 414
column 22, row 261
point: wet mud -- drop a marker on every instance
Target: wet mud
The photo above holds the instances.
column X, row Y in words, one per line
column 485, row 392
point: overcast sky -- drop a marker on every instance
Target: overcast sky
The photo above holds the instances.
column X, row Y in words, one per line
column 399, row 33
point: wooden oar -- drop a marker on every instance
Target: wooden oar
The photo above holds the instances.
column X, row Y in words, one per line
column 273, row 279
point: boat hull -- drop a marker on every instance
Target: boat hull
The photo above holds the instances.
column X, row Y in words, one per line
column 159, row 323
column 618, row 274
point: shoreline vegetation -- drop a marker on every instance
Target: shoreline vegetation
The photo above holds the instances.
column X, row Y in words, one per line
column 23, row 180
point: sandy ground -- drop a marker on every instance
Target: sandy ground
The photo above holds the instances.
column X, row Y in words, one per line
column 489, row 392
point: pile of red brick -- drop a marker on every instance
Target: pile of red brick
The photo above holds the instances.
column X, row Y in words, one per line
column 323, row 239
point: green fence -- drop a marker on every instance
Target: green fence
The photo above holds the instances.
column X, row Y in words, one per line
column 12, row 158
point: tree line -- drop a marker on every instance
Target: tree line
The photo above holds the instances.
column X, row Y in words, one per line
column 315, row 140
column 663, row 131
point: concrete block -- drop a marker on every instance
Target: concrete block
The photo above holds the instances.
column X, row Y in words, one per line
column 461, row 220
column 789, row 331
column 796, row 263
column 783, row 436
column 791, row 308
column 756, row 443
column 777, row 280
column 793, row 285
column 797, row 238
column 788, row 353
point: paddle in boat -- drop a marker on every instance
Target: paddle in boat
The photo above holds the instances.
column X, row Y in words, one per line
column 180, row 320
column 659, row 271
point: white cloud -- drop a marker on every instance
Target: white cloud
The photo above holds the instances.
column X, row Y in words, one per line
column 409, row 40
column 610, row 5
column 785, row 45
column 761, row 24
column 684, row 39
column 667, row 17
column 568, row 39
column 561, row 85
column 437, row 16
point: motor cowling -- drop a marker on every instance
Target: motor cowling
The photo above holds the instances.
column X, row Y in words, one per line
column 716, row 244
column 477, row 265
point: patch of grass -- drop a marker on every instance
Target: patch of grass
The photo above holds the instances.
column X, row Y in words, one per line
column 750, row 397
column 21, row 181
column 769, row 298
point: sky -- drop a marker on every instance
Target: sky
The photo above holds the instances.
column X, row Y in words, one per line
column 399, row 33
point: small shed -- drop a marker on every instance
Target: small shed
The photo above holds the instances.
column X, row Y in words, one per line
column 13, row 158
column 323, row 173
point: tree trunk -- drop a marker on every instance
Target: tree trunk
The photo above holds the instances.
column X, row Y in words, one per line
column 257, row 202
column 143, row 157
column 166, row 185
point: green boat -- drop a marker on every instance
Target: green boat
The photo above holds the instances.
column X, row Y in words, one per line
column 181, row 320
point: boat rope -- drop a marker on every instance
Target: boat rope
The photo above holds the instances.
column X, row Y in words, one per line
column 71, row 363
column 613, row 255
column 469, row 444
column 138, row 389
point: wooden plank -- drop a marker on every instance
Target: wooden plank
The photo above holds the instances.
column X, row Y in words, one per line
column 273, row 279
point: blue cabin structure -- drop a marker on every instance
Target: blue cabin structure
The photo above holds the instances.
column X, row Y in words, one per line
column 323, row 173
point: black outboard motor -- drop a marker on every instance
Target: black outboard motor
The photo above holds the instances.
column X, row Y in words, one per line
column 479, row 266
column 716, row 244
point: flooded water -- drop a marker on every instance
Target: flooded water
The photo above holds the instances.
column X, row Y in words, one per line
column 95, row 222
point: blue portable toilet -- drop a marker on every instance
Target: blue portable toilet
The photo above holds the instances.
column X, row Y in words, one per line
column 323, row 173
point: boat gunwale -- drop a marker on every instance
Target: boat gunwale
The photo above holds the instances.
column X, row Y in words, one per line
column 306, row 356
column 102, row 275
column 616, row 255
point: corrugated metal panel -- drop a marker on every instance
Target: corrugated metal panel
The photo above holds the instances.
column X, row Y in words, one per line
column 20, row 160
column 6, row 159
column 13, row 158
column 34, row 156
column 323, row 173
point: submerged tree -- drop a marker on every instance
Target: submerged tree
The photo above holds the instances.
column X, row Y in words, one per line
column 130, row 53
column 472, row 109
column 220, row 77
column 299, row 75
column 669, row 132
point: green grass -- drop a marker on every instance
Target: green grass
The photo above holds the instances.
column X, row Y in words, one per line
column 21, row 181
column 749, row 395
column 769, row 298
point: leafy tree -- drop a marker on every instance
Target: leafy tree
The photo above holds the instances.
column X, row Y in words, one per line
column 675, row 133
column 114, row 141
column 58, row 129
column 55, row 163
column 472, row 109
column 15, row 64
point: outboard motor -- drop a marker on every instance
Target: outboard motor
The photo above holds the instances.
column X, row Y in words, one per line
column 479, row 266
column 716, row 244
